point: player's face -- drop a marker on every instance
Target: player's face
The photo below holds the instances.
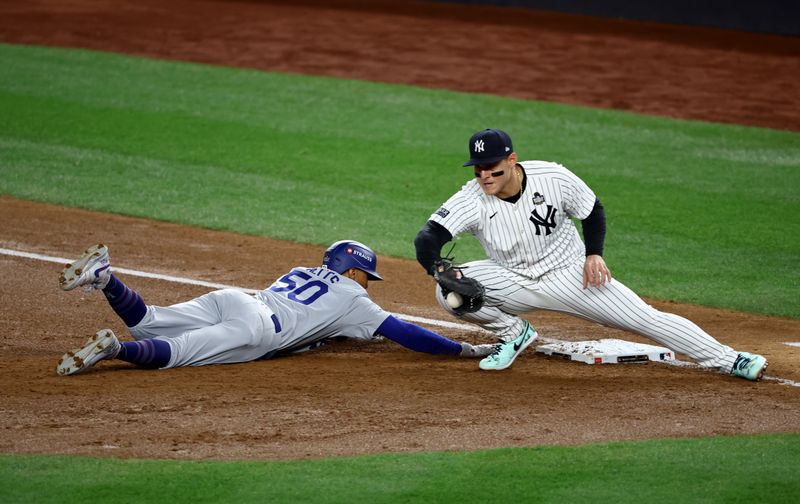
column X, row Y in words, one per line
column 498, row 179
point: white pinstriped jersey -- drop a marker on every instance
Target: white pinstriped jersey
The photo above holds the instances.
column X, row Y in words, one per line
column 533, row 236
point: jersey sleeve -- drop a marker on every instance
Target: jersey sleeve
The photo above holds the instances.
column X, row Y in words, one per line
column 418, row 338
column 363, row 319
column 458, row 214
column 579, row 198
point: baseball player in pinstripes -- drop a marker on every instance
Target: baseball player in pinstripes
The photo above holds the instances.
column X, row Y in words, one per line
column 521, row 212
column 299, row 311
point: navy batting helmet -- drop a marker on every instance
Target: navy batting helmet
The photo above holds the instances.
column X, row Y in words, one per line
column 346, row 254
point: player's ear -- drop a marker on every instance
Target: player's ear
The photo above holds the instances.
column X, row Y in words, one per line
column 513, row 157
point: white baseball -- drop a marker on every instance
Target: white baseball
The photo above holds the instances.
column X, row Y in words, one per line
column 454, row 300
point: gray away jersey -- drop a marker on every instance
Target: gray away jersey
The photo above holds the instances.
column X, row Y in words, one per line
column 533, row 236
column 312, row 304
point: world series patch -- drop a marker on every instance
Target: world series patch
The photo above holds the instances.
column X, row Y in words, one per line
column 443, row 212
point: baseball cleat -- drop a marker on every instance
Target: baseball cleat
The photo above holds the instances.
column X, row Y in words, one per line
column 92, row 270
column 749, row 366
column 506, row 351
column 101, row 346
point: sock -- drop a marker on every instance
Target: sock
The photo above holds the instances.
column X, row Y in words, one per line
column 124, row 301
column 149, row 353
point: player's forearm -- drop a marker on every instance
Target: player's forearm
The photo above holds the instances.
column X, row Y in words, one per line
column 594, row 230
column 429, row 242
column 418, row 338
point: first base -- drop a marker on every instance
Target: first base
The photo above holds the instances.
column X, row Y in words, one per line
column 606, row 351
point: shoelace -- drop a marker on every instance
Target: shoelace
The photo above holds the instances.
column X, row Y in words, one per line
column 497, row 349
column 741, row 363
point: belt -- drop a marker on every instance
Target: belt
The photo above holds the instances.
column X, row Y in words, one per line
column 274, row 317
column 277, row 324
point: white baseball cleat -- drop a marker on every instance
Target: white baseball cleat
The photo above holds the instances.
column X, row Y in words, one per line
column 101, row 346
column 92, row 270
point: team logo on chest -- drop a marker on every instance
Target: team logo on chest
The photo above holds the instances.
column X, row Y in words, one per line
column 548, row 221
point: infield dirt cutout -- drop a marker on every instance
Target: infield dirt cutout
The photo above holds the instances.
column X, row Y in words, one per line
column 354, row 398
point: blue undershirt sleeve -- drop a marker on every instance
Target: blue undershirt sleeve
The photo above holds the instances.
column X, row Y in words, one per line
column 417, row 338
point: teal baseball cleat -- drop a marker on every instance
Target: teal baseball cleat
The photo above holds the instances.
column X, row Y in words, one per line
column 505, row 352
column 749, row 366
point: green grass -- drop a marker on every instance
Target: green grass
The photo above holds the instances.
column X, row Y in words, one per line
column 697, row 212
column 717, row 469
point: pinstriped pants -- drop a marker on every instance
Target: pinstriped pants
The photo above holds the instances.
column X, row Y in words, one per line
column 509, row 294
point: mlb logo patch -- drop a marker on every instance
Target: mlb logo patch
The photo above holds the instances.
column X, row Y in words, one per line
column 443, row 212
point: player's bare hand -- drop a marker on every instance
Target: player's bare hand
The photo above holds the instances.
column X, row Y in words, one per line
column 595, row 272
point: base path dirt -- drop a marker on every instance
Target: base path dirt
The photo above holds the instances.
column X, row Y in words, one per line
column 350, row 398
column 343, row 399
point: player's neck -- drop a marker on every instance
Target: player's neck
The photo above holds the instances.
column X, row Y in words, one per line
column 513, row 190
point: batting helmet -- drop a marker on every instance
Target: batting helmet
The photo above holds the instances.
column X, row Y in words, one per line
column 346, row 254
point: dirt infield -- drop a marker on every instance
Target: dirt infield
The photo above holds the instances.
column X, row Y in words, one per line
column 353, row 398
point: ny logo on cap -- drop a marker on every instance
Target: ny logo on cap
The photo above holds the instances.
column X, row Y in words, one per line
column 478, row 146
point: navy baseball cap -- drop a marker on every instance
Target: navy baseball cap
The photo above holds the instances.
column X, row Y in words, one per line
column 488, row 147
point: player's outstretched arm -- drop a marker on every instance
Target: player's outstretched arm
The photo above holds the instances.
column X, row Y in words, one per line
column 420, row 339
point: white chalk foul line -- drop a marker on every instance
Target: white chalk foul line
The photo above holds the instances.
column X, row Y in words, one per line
column 214, row 285
column 144, row 274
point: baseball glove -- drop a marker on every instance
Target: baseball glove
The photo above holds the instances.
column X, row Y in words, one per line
column 452, row 279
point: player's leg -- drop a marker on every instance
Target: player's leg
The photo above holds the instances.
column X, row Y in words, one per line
column 105, row 345
column 502, row 306
column 174, row 320
column 243, row 330
column 227, row 326
column 504, row 300
column 126, row 302
column 617, row 306
column 93, row 271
